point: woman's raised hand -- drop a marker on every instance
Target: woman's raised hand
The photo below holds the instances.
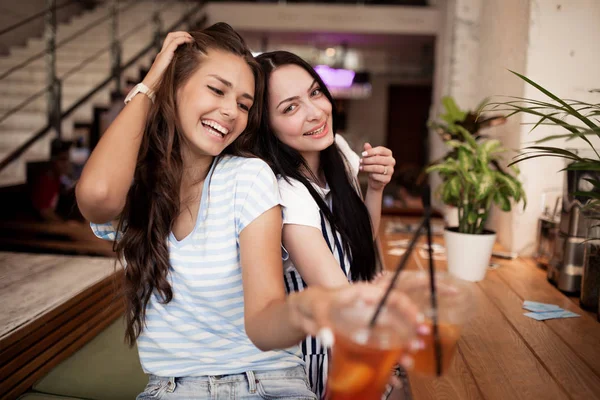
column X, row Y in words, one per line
column 163, row 59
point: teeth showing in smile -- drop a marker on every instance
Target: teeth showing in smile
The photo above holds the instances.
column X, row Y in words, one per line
column 215, row 128
column 315, row 132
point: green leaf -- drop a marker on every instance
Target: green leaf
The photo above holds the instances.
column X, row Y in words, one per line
column 464, row 160
column 454, row 186
column 556, row 121
column 445, row 168
column 486, row 148
column 567, row 136
column 593, row 181
column 556, row 150
column 583, row 166
column 507, row 181
column 471, row 177
column 484, row 186
column 541, row 121
column 572, row 111
column 529, row 156
column 472, row 217
column 454, row 144
column 452, row 109
column 502, row 201
column 481, row 106
column 450, row 191
column 467, row 136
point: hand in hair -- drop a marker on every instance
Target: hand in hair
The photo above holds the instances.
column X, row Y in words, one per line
column 164, row 58
column 106, row 179
column 379, row 163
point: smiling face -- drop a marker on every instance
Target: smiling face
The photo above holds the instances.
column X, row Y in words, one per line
column 213, row 105
column 300, row 113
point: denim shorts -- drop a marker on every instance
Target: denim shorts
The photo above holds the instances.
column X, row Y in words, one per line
column 290, row 383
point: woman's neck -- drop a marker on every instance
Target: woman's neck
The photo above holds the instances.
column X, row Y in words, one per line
column 313, row 160
column 195, row 169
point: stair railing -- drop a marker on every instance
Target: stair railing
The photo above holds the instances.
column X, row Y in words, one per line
column 53, row 89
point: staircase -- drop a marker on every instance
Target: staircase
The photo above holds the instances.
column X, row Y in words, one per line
column 136, row 31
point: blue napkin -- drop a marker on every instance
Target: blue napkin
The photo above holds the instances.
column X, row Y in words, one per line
column 544, row 311
column 540, row 307
column 541, row 316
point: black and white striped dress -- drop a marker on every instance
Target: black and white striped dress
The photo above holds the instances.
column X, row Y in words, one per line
column 315, row 355
column 300, row 208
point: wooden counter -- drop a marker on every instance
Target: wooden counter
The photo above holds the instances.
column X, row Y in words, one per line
column 506, row 356
column 51, row 306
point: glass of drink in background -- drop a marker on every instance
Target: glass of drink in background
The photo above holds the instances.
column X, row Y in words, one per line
column 363, row 357
column 454, row 308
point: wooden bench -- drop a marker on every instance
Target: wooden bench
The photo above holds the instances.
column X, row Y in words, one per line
column 52, row 305
column 52, row 237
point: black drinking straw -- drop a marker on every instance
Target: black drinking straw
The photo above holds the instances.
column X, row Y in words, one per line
column 432, row 284
column 399, row 269
column 425, row 223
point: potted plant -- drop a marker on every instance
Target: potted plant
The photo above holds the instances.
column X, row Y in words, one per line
column 449, row 127
column 472, row 180
column 580, row 123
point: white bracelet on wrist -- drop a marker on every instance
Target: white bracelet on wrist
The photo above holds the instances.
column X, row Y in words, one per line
column 140, row 88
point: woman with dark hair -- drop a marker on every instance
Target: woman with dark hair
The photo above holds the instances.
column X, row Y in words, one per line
column 328, row 230
column 198, row 225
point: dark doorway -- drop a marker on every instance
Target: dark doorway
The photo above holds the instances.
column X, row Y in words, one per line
column 408, row 112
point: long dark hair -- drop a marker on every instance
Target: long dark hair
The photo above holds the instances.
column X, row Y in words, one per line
column 349, row 215
column 153, row 201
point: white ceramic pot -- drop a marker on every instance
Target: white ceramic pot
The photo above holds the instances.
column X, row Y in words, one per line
column 451, row 216
column 468, row 255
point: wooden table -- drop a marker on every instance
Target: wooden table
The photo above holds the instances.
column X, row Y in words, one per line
column 504, row 355
column 51, row 306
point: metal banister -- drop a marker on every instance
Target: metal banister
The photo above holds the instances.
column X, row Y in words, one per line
column 35, row 16
column 54, row 120
column 63, row 42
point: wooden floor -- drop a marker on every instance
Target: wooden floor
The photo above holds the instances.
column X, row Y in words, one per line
column 503, row 354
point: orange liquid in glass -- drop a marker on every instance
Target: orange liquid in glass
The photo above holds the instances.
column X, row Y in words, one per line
column 360, row 371
column 425, row 362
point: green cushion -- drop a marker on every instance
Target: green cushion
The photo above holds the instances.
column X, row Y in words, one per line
column 104, row 369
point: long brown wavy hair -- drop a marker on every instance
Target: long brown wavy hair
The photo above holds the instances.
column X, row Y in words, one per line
column 153, row 201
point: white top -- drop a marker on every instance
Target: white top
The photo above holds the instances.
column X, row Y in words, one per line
column 300, row 208
column 201, row 331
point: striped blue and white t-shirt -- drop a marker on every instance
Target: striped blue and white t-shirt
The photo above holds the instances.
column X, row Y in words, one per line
column 201, row 331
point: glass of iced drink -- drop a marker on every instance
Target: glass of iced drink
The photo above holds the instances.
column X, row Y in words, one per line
column 363, row 357
column 454, row 308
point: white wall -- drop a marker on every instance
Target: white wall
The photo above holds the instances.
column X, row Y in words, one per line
column 326, row 17
column 503, row 41
column 563, row 56
column 554, row 43
column 367, row 118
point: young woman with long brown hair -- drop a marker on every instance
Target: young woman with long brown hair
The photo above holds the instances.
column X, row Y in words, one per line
column 198, row 226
